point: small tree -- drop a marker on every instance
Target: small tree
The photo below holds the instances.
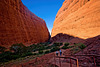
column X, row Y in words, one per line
column 82, row 46
column 41, row 48
column 66, row 44
column 40, row 51
column 47, row 51
column 55, row 49
column 18, row 48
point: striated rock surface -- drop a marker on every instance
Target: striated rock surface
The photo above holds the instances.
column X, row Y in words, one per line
column 79, row 18
column 93, row 47
column 19, row 25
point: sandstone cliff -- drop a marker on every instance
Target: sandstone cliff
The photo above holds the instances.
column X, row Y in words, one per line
column 19, row 25
column 79, row 18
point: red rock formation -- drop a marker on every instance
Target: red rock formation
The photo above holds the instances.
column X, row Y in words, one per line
column 79, row 18
column 66, row 38
column 93, row 47
column 19, row 25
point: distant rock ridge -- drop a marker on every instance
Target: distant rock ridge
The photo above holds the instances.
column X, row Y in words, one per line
column 79, row 18
column 19, row 25
column 66, row 38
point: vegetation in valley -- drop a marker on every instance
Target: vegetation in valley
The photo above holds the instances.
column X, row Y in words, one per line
column 20, row 50
column 77, row 47
column 67, row 46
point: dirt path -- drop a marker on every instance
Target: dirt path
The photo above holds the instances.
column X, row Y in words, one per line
column 60, row 62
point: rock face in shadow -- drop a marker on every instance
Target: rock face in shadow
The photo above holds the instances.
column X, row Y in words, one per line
column 79, row 18
column 93, row 48
column 66, row 38
column 19, row 25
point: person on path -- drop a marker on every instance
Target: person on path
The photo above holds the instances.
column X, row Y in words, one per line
column 60, row 52
column 57, row 53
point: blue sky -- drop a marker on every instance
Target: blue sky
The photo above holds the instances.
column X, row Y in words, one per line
column 45, row 9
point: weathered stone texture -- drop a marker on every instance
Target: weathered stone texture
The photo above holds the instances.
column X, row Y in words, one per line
column 79, row 18
column 19, row 25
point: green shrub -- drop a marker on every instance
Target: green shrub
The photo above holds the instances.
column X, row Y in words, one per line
column 66, row 44
column 47, row 43
column 56, row 44
column 31, row 48
column 19, row 48
column 15, row 56
column 5, row 56
column 35, row 54
column 82, row 46
column 77, row 44
column 40, row 51
column 70, row 46
column 52, row 50
column 55, row 49
column 47, row 51
column 26, row 54
column 42, row 48
column 61, row 44
column 48, row 47
column 64, row 47
column 75, row 50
